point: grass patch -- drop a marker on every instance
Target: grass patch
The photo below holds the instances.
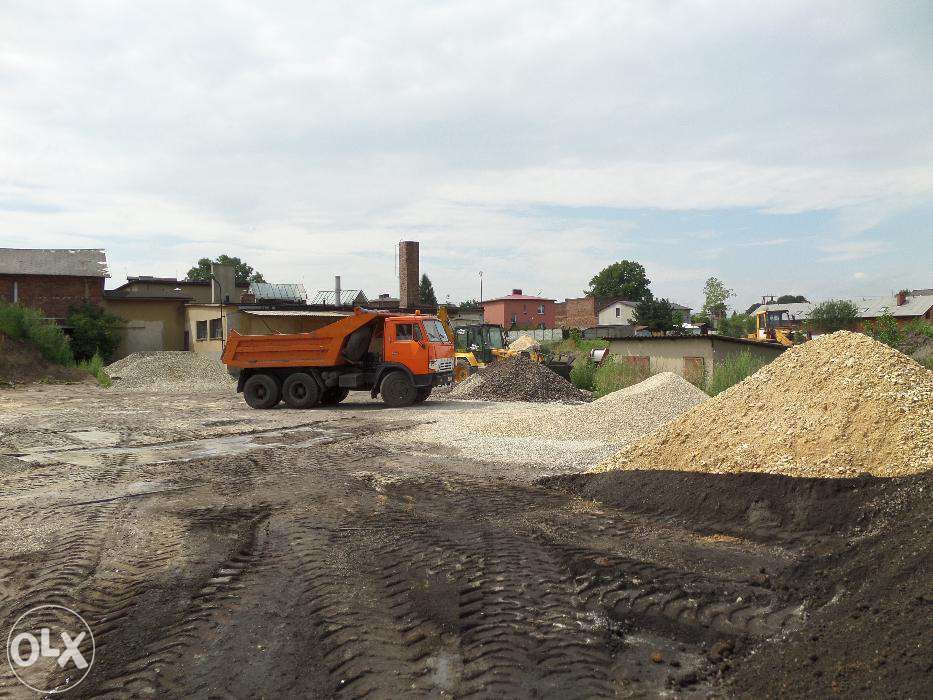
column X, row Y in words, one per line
column 732, row 371
column 23, row 323
column 95, row 367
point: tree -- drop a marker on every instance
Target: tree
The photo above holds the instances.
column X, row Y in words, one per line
column 242, row 272
column 791, row 299
column 736, row 325
column 656, row 314
column 885, row 330
column 834, row 315
column 94, row 332
column 625, row 279
column 426, row 292
column 715, row 294
column 470, row 304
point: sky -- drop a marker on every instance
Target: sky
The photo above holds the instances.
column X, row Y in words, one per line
column 782, row 147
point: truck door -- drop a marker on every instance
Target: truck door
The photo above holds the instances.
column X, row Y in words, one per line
column 404, row 345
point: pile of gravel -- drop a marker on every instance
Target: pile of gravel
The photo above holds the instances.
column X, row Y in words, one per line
column 523, row 343
column 518, row 379
column 839, row 405
column 617, row 418
column 169, row 371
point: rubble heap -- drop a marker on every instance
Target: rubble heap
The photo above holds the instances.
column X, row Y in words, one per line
column 518, row 379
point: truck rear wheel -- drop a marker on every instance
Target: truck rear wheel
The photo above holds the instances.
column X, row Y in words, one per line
column 301, row 390
column 398, row 390
column 334, row 396
column 262, row 391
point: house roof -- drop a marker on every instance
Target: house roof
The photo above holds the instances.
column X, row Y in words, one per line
column 878, row 306
column 116, row 295
column 516, row 297
column 148, row 279
column 606, row 303
column 60, row 262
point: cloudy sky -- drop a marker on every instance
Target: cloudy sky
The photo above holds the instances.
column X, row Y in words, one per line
column 785, row 147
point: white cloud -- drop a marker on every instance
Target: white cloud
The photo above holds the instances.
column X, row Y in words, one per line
column 852, row 250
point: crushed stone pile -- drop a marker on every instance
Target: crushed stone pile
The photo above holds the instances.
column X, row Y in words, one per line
column 169, row 371
column 619, row 417
column 523, row 343
column 839, row 405
column 518, row 379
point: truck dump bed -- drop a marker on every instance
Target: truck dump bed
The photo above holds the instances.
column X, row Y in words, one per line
column 320, row 348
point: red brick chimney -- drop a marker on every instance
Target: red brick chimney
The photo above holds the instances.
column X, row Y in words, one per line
column 901, row 298
column 408, row 275
column 516, row 292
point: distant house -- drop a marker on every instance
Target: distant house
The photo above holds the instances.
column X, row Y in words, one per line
column 52, row 280
column 903, row 306
column 169, row 287
column 517, row 310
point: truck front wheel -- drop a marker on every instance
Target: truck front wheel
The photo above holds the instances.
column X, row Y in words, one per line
column 262, row 391
column 301, row 390
column 398, row 390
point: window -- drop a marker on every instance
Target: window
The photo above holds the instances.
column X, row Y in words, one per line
column 407, row 332
column 217, row 329
column 435, row 331
column 201, row 330
column 618, row 311
column 541, row 309
column 514, row 318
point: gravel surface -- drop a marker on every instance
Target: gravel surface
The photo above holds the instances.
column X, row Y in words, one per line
column 518, row 379
column 169, row 371
column 618, row 418
column 839, row 405
column 523, row 342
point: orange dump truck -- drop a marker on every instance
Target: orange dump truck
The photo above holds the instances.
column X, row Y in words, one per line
column 400, row 357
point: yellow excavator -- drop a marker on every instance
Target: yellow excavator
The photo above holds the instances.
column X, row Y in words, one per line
column 773, row 326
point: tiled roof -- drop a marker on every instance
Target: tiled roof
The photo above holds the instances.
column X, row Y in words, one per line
column 64, row 262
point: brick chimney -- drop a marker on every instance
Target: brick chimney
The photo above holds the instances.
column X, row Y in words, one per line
column 901, row 298
column 408, row 275
column 516, row 292
column 336, row 290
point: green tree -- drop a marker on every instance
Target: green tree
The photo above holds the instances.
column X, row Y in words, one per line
column 834, row 315
column 94, row 332
column 736, row 325
column 243, row 272
column 715, row 296
column 656, row 314
column 625, row 279
column 469, row 304
column 885, row 330
column 426, row 292
column 791, row 299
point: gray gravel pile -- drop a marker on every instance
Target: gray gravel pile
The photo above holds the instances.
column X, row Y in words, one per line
column 618, row 418
column 169, row 371
column 518, row 379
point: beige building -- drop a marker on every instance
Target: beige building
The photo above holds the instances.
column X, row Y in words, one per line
column 150, row 323
column 168, row 287
column 689, row 356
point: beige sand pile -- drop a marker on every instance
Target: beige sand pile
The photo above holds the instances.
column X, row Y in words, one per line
column 618, row 418
column 839, row 405
column 523, row 343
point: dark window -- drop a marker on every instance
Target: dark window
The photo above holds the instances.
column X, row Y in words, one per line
column 407, row 331
column 514, row 318
column 217, row 328
column 201, row 332
column 540, row 308
column 618, row 311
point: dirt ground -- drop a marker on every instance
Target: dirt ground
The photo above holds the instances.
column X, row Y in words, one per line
column 220, row 551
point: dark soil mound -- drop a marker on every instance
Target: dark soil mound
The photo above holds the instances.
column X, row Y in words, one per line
column 519, row 379
column 21, row 363
column 861, row 571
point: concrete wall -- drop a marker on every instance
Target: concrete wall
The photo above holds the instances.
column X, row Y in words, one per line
column 668, row 354
column 53, row 294
column 626, row 317
column 150, row 324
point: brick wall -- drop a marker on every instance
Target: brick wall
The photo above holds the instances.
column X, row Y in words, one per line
column 408, row 275
column 578, row 313
column 53, row 294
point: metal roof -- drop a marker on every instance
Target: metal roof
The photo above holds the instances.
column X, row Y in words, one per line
column 279, row 292
column 61, row 262
column 799, row 311
column 878, row 306
column 348, row 297
column 285, row 312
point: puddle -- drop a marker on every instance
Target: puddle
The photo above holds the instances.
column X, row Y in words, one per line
column 189, row 450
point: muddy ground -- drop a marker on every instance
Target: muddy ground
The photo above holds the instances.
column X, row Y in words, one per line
column 218, row 551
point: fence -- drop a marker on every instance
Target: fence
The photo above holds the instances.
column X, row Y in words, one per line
column 541, row 335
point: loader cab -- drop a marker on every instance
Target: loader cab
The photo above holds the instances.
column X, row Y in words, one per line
column 480, row 339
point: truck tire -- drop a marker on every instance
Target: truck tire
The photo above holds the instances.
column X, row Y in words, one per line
column 422, row 394
column 262, row 391
column 398, row 390
column 301, row 390
column 334, row 396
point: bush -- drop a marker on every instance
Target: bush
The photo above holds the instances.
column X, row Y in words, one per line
column 24, row 323
column 583, row 373
column 612, row 376
column 95, row 332
column 730, row 372
column 834, row 315
column 95, row 366
column 885, row 330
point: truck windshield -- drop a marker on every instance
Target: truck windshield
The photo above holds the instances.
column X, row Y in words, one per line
column 435, row 331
